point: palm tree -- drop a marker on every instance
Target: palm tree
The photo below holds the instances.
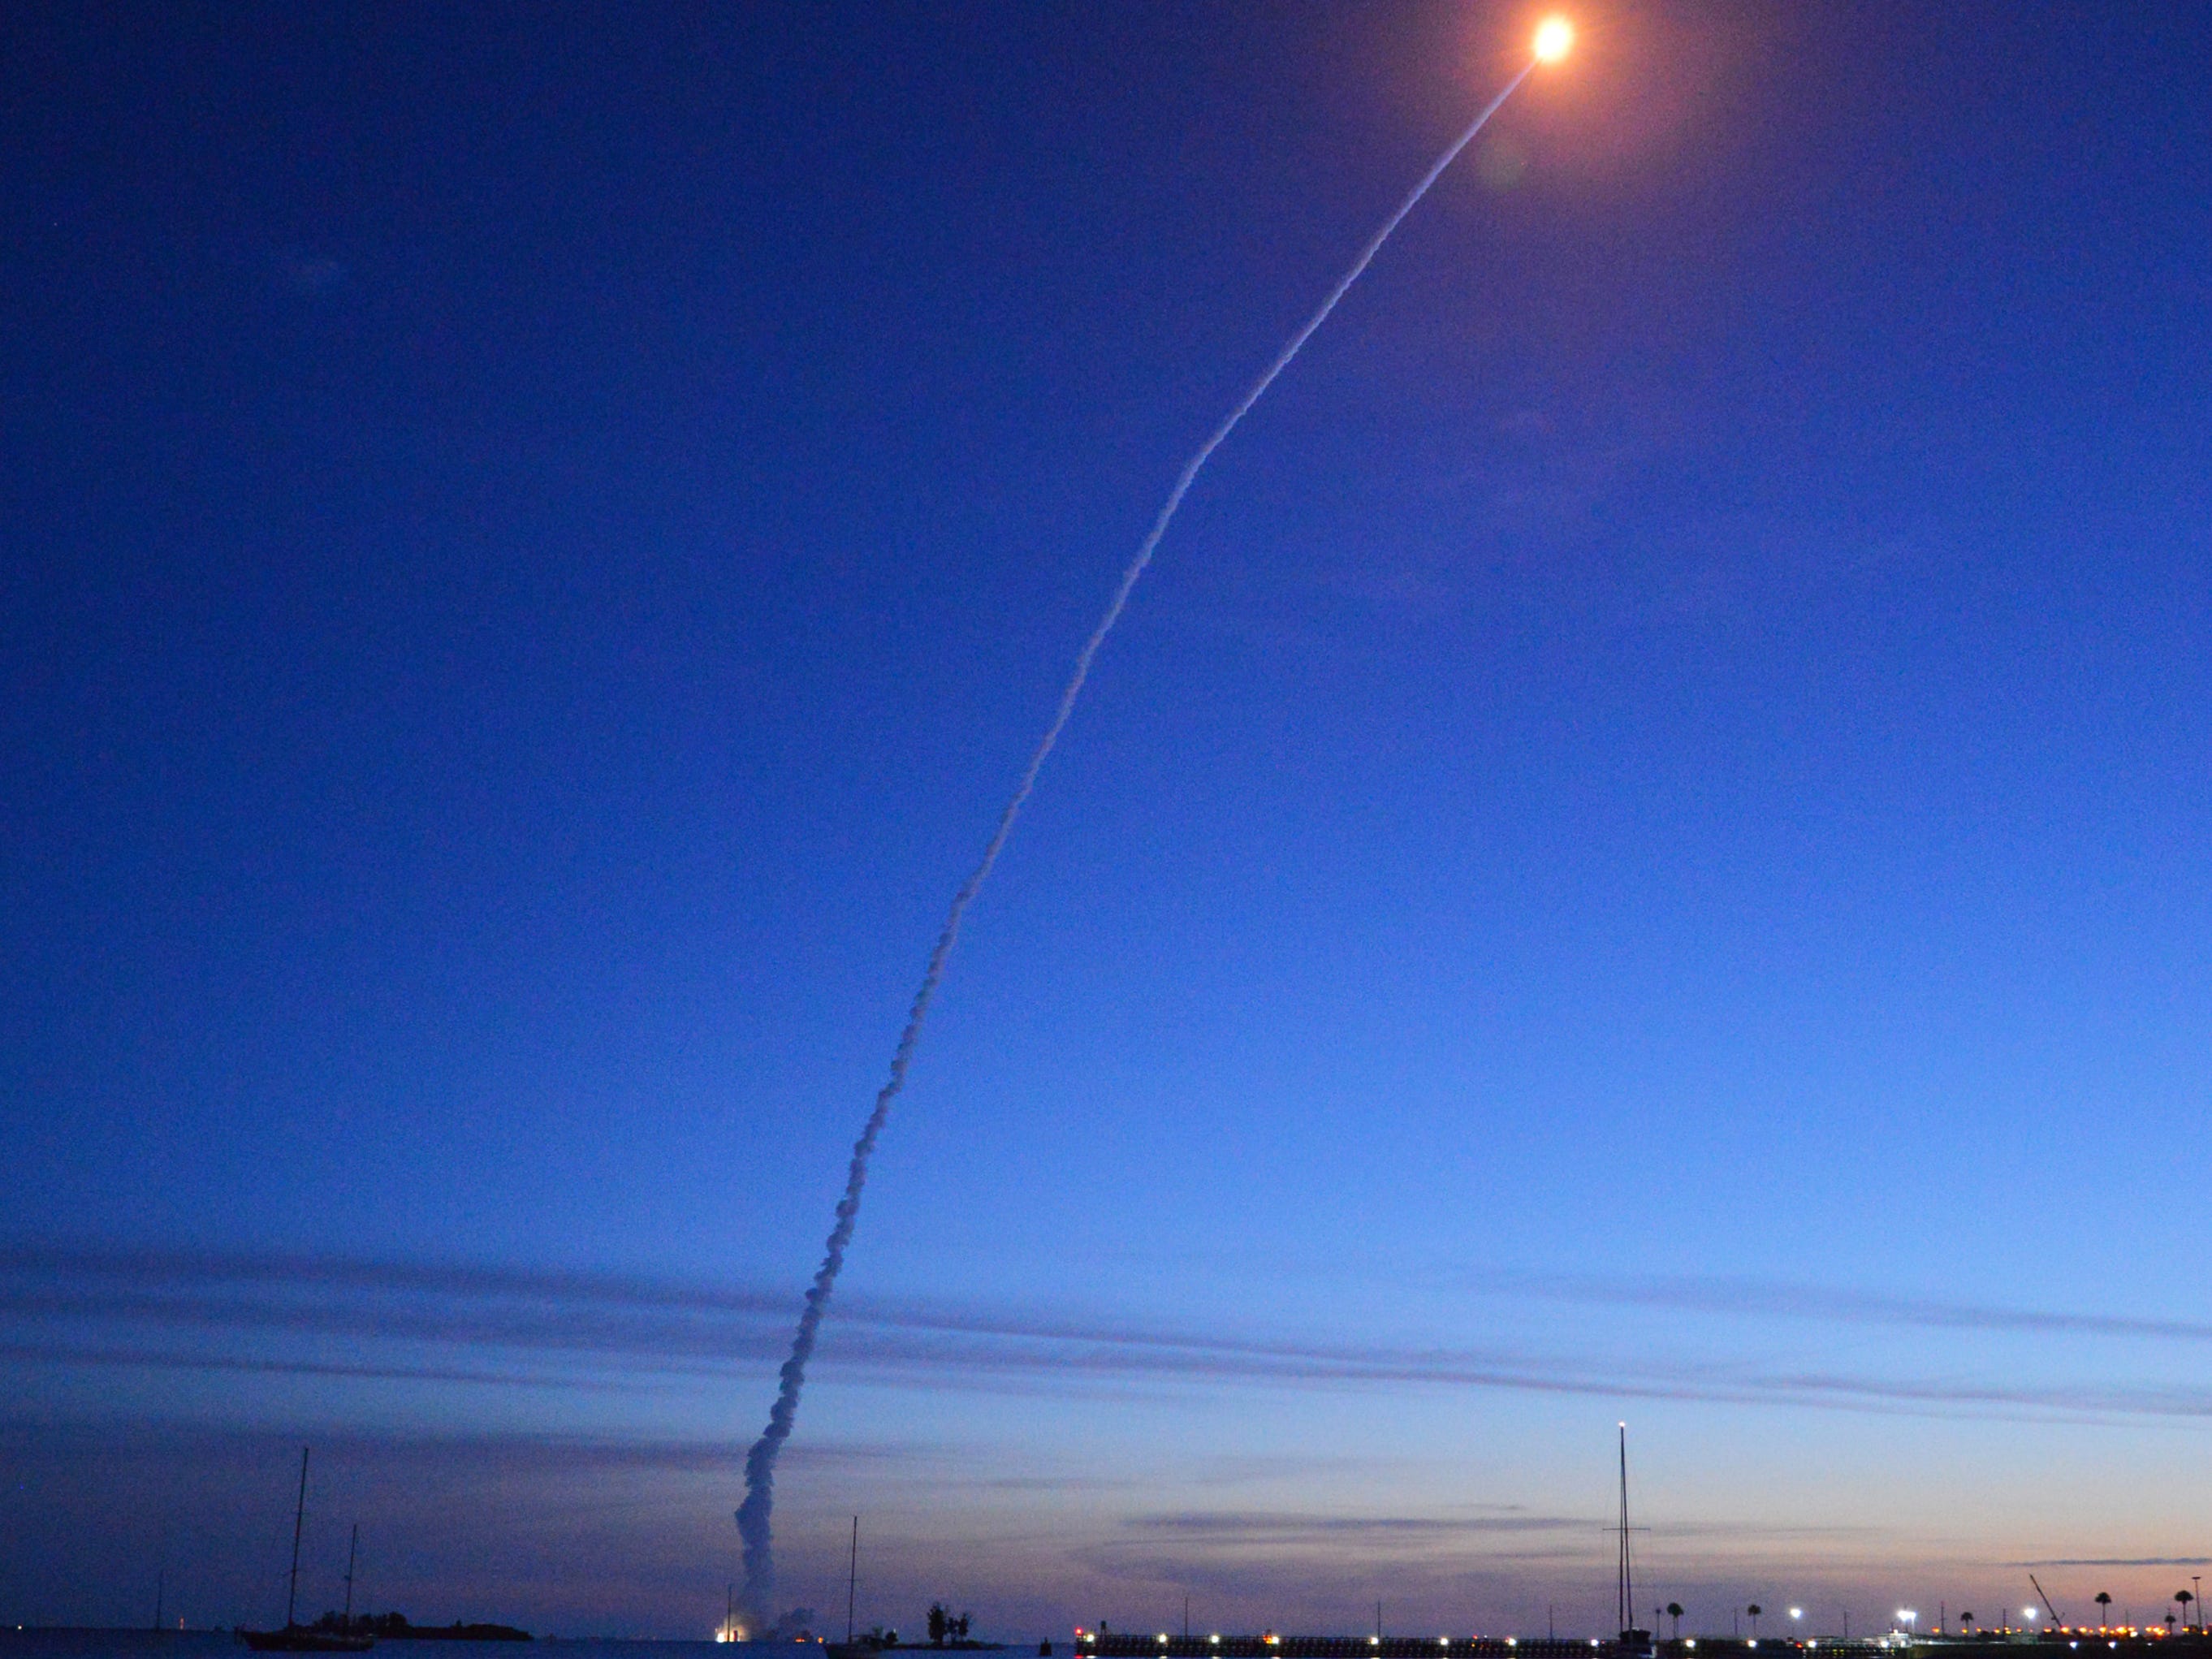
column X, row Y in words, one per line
column 2104, row 1607
column 1674, row 1613
column 2185, row 1598
column 1754, row 1610
column 1965, row 1622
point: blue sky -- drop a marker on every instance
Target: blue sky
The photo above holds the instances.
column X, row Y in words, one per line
column 1640, row 853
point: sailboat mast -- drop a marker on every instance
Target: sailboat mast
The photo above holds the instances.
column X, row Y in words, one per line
column 852, row 1580
column 352, row 1550
column 299, row 1517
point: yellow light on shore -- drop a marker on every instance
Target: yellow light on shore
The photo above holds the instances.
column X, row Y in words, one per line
column 1554, row 36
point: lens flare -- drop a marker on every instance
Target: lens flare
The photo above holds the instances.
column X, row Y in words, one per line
column 1554, row 35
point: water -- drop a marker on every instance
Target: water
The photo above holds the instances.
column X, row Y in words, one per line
column 221, row 1645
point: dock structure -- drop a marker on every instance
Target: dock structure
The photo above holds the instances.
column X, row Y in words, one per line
column 1120, row 1644
column 2068, row 1643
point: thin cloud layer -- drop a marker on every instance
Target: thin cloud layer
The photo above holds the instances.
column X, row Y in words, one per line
column 2122, row 1561
column 1757, row 1298
column 1246, row 1524
column 494, row 1327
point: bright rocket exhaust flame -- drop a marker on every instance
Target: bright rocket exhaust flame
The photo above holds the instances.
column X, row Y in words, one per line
column 755, row 1516
column 1555, row 36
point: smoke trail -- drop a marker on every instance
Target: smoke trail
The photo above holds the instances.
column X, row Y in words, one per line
column 754, row 1513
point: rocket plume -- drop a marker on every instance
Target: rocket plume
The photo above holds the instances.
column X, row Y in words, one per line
column 755, row 1514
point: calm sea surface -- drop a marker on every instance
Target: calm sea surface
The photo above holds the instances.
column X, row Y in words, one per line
column 221, row 1644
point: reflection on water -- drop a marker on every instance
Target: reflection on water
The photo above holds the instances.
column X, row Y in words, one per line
column 221, row 1644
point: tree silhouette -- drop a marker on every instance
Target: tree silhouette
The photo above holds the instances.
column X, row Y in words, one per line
column 1674, row 1613
column 2104, row 1607
column 1754, row 1610
column 940, row 1622
column 2185, row 1598
column 1965, row 1621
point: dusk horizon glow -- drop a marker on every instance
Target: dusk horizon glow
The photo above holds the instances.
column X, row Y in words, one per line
column 1640, row 853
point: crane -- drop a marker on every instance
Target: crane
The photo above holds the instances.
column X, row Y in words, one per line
column 2056, row 1621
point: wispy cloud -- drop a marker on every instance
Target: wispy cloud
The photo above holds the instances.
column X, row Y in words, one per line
column 171, row 1360
column 330, row 1317
column 1247, row 1525
column 2122, row 1561
column 1767, row 1298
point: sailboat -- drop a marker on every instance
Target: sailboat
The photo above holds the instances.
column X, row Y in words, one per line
column 1635, row 1644
column 296, row 1638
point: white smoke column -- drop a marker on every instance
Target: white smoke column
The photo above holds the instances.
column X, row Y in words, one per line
column 754, row 1515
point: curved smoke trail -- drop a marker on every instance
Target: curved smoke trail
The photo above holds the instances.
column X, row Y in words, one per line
column 754, row 1515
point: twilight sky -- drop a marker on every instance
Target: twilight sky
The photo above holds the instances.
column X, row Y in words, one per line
column 1641, row 852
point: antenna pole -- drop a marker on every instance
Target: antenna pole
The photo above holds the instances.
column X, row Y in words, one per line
column 299, row 1517
column 1627, row 1586
column 852, row 1580
column 352, row 1550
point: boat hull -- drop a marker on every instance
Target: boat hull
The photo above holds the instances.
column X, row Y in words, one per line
column 300, row 1640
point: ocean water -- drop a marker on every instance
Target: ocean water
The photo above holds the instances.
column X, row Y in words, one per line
column 221, row 1645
